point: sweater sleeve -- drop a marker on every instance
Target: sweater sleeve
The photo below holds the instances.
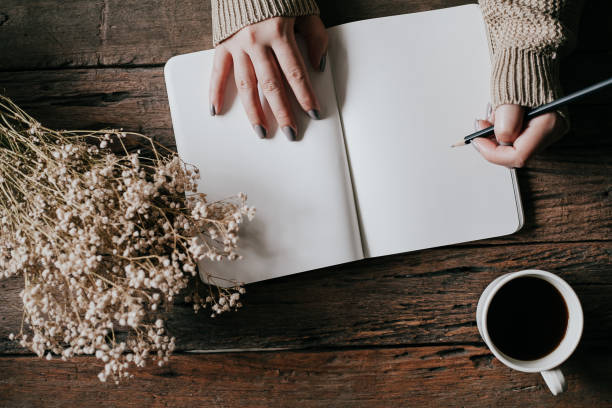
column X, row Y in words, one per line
column 526, row 40
column 229, row 16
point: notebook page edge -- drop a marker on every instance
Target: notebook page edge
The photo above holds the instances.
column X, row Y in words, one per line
column 364, row 243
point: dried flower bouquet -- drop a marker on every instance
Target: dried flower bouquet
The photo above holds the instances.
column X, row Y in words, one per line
column 105, row 238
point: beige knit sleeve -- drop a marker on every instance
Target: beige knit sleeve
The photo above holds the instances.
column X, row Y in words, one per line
column 229, row 16
column 526, row 39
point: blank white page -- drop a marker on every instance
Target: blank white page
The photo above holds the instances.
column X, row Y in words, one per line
column 408, row 87
column 305, row 216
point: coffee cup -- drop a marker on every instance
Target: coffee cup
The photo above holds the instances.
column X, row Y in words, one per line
column 532, row 322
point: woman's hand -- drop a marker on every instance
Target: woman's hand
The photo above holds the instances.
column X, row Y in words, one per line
column 516, row 142
column 259, row 53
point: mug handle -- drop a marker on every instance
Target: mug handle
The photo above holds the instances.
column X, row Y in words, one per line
column 555, row 380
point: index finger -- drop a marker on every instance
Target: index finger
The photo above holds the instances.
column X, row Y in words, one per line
column 222, row 65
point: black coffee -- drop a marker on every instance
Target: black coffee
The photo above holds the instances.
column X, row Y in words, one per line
column 527, row 318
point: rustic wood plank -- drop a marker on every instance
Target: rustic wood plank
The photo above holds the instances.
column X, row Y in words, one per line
column 566, row 190
column 422, row 297
column 337, row 12
column 425, row 376
column 134, row 99
column 93, row 33
column 38, row 34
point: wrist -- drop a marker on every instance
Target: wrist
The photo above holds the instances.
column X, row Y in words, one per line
column 229, row 16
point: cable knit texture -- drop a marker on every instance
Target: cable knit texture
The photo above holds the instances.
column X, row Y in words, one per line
column 527, row 39
column 229, row 16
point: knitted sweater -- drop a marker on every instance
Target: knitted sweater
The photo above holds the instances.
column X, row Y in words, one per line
column 526, row 39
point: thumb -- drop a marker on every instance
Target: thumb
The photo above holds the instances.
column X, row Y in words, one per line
column 508, row 123
column 313, row 31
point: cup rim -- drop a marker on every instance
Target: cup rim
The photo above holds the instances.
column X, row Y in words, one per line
column 578, row 319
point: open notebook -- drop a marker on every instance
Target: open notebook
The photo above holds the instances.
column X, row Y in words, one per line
column 376, row 175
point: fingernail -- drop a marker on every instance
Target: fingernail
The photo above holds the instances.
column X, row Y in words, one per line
column 314, row 113
column 213, row 111
column 290, row 133
column 489, row 111
column 261, row 131
column 476, row 127
column 323, row 62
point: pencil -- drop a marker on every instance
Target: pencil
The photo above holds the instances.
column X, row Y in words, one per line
column 549, row 107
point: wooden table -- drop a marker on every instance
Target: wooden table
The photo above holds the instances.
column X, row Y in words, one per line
column 393, row 331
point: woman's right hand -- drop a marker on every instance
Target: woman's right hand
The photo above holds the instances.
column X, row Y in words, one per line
column 259, row 53
column 516, row 141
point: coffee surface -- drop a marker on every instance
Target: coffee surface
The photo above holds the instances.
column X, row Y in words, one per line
column 527, row 318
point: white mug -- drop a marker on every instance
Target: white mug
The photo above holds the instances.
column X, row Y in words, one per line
column 548, row 365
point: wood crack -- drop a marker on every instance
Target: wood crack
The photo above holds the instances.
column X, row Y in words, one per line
column 104, row 22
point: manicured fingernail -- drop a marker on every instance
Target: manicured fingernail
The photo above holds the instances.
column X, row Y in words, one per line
column 323, row 62
column 213, row 111
column 261, row 131
column 314, row 113
column 290, row 133
column 489, row 111
column 476, row 127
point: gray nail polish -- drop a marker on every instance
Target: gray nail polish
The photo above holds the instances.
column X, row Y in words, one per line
column 489, row 110
column 260, row 130
column 290, row 133
column 323, row 62
column 213, row 111
column 314, row 113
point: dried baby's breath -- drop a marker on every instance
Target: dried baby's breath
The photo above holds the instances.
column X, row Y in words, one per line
column 105, row 238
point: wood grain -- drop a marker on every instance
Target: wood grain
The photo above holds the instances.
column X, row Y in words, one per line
column 133, row 99
column 425, row 376
column 422, row 297
column 39, row 34
column 93, row 33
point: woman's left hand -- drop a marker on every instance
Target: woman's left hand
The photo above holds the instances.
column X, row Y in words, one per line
column 516, row 142
column 266, row 53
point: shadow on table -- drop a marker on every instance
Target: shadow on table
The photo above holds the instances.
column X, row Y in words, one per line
column 588, row 141
column 590, row 63
column 591, row 366
column 591, row 363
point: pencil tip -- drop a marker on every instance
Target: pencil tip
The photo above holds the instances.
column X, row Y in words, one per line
column 459, row 143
